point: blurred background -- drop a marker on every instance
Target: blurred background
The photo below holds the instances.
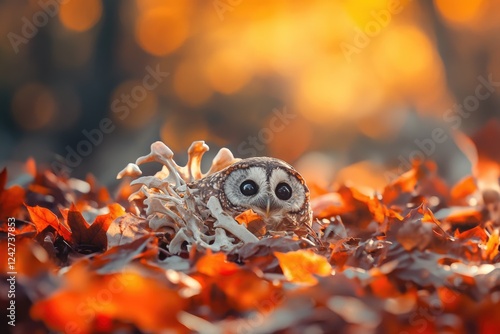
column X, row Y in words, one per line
column 346, row 90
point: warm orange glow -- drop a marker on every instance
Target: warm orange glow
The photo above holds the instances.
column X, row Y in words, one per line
column 160, row 31
column 302, row 46
column 360, row 11
column 33, row 106
column 330, row 90
column 175, row 7
column 190, row 85
column 228, row 70
column 80, row 15
column 406, row 60
column 270, row 40
column 459, row 11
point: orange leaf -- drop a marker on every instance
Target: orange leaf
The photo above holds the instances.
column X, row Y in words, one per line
column 43, row 217
column 381, row 212
column 463, row 188
column 473, row 233
column 215, row 264
column 116, row 210
column 245, row 290
column 246, row 217
column 301, row 266
column 405, row 183
column 253, row 222
column 492, row 245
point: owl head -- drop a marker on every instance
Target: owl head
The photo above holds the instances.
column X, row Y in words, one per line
column 270, row 187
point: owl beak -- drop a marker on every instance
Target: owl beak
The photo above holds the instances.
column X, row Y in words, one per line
column 268, row 207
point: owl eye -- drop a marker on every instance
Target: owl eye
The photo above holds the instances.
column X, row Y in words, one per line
column 249, row 188
column 283, row 191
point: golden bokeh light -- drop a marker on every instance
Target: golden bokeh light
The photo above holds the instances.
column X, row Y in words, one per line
column 228, row 70
column 160, row 31
column 406, row 61
column 361, row 11
column 273, row 39
column 269, row 40
column 33, row 106
column 80, row 15
column 459, row 12
column 132, row 105
column 175, row 7
column 330, row 90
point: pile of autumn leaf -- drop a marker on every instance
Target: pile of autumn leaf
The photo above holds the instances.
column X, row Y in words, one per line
column 420, row 257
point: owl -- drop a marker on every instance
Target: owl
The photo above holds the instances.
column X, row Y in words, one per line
column 270, row 187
